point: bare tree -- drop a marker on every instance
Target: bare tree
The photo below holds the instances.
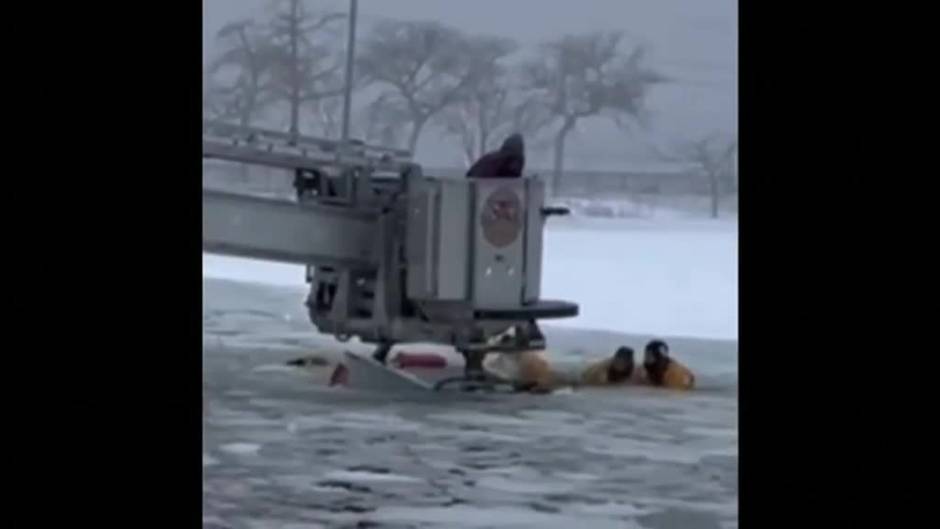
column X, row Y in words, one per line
column 229, row 102
column 576, row 77
column 306, row 68
column 492, row 106
column 484, row 107
column 328, row 116
column 385, row 121
column 214, row 104
column 423, row 68
column 714, row 157
column 237, row 78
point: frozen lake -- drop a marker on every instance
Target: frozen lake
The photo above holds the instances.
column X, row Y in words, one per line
column 675, row 277
column 282, row 450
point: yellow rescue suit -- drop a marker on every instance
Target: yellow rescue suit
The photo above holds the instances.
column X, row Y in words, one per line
column 596, row 374
column 528, row 369
column 677, row 376
column 535, row 371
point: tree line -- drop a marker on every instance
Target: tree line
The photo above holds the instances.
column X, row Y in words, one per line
column 288, row 66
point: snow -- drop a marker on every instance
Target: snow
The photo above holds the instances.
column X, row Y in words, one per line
column 630, row 457
column 662, row 209
column 275, row 368
column 374, row 477
column 669, row 277
column 652, row 451
column 467, row 516
column 241, row 448
column 252, row 271
column 373, row 421
column 504, row 484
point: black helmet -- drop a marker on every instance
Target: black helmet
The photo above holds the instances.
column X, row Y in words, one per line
column 621, row 367
column 624, row 353
column 657, row 347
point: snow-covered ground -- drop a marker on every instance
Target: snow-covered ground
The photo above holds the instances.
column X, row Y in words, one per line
column 651, row 276
column 659, row 207
column 670, row 277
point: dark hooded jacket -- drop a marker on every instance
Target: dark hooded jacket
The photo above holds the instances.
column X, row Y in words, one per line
column 507, row 162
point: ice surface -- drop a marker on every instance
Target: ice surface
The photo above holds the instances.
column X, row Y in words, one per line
column 677, row 278
column 252, row 271
column 367, row 421
column 345, row 475
column 288, row 450
column 521, row 486
column 466, row 516
column 240, row 448
column 610, row 509
column 672, row 278
column 654, row 451
column 276, row 368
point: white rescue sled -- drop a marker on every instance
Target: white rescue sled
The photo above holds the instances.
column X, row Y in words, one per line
column 363, row 372
column 366, row 373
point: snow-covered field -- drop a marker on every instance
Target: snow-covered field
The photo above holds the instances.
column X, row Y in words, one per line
column 671, row 277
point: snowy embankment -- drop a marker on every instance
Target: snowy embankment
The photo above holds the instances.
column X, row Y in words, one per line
column 665, row 277
column 649, row 207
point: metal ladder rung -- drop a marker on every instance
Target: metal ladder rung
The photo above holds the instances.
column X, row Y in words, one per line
column 212, row 128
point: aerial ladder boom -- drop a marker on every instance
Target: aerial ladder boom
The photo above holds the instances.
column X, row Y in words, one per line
column 392, row 255
column 277, row 230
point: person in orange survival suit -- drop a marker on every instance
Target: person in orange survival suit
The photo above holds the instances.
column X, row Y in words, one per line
column 618, row 369
column 661, row 370
column 528, row 369
column 531, row 371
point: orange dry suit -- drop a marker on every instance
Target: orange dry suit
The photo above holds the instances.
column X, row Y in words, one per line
column 596, row 374
column 675, row 376
column 527, row 369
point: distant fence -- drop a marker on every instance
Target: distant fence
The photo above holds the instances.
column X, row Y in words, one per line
column 223, row 175
column 594, row 183
column 574, row 183
column 240, row 178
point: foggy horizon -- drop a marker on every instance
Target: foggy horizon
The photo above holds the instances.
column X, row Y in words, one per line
column 694, row 43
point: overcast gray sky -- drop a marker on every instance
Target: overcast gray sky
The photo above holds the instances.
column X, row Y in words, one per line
column 694, row 41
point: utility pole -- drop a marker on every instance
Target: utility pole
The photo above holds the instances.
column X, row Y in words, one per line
column 350, row 58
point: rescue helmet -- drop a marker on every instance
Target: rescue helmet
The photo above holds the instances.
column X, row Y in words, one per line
column 656, row 348
column 624, row 353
